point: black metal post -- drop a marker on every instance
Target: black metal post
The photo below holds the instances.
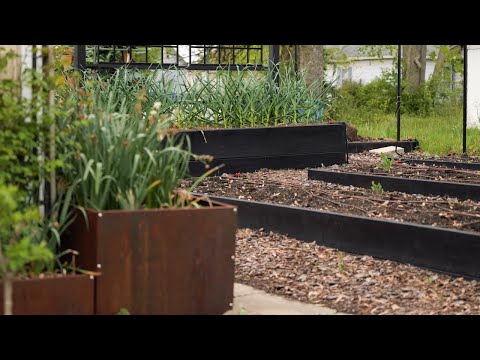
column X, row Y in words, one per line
column 465, row 68
column 274, row 57
column 399, row 88
column 80, row 57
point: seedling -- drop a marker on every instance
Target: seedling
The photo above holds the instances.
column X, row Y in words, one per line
column 377, row 188
column 387, row 162
column 123, row 311
column 242, row 311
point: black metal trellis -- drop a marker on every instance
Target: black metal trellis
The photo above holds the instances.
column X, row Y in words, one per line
column 200, row 57
column 399, row 92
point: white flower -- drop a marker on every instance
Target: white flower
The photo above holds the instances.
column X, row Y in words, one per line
column 157, row 105
column 153, row 113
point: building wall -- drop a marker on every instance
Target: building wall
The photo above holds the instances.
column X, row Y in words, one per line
column 364, row 71
column 473, row 86
column 14, row 66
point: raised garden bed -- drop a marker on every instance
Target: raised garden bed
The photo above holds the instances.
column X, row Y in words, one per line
column 361, row 146
column 52, row 295
column 159, row 261
column 445, row 161
column 446, row 164
column 387, row 226
column 411, row 179
column 282, row 147
column 346, row 282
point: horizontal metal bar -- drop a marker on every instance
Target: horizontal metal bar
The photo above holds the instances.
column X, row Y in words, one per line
column 204, row 67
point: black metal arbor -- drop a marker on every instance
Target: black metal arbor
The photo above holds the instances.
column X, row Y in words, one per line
column 224, row 56
column 399, row 95
column 195, row 57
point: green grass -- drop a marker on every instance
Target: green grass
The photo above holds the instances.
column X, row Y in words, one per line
column 436, row 134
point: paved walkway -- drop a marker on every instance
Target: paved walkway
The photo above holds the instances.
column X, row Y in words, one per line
column 250, row 301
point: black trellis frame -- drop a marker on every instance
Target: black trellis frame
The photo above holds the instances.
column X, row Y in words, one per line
column 465, row 73
column 81, row 60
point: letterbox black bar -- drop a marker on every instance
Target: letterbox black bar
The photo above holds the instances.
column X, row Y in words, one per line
column 465, row 69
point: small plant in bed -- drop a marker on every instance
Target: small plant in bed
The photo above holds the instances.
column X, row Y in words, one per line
column 386, row 162
column 23, row 250
column 377, row 188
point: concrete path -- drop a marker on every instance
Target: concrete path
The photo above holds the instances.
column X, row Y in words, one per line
column 250, row 301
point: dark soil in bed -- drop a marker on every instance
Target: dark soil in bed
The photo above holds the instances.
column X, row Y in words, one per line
column 417, row 155
column 349, row 283
column 291, row 187
column 367, row 163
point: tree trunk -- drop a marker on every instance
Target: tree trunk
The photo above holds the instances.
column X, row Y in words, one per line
column 439, row 64
column 310, row 60
column 287, row 54
column 415, row 62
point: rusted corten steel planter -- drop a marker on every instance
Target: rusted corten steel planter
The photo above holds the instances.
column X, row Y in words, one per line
column 159, row 261
column 62, row 295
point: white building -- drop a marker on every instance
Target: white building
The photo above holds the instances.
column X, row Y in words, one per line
column 473, row 86
column 364, row 69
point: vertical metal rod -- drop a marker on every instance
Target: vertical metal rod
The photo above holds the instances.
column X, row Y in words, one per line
column 399, row 88
column 52, row 143
column 465, row 69
column 80, row 57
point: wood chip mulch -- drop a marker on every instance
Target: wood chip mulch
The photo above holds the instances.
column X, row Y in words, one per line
column 348, row 283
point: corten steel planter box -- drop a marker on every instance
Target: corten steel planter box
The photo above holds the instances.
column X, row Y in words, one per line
column 398, row 183
column 159, row 261
column 444, row 250
column 361, row 146
column 283, row 147
column 62, row 295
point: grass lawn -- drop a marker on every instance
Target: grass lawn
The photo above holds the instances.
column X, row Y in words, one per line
column 436, row 134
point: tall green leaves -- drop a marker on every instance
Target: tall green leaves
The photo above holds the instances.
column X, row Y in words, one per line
column 124, row 159
column 225, row 98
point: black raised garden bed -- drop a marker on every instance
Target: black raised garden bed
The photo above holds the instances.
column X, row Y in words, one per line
column 391, row 183
column 444, row 250
column 361, row 146
column 285, row 147
column 441, row 163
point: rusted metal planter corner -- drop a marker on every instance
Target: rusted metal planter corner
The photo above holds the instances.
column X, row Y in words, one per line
column 159, row 261
column 58, row 295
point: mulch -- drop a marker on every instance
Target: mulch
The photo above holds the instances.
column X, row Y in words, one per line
column 348, row 283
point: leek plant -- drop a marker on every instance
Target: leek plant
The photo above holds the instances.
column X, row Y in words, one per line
column 228, row 98
column 124, row 159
